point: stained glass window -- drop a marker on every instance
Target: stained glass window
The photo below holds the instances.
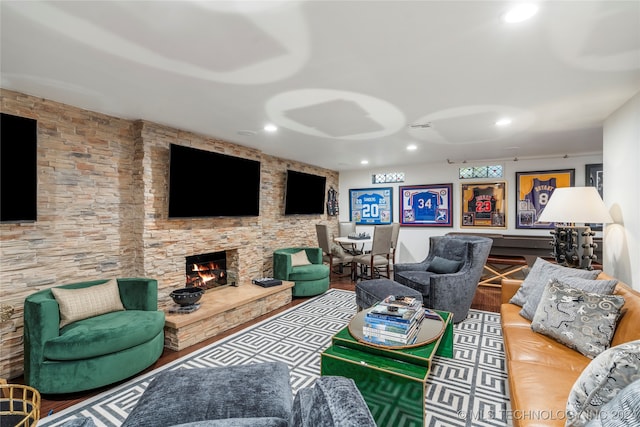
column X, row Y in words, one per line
column 384, row 178
column 493, row 171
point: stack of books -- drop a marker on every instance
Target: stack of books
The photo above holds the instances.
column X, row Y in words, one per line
column 394, row 321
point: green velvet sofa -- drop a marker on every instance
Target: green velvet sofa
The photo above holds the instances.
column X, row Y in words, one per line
column 310, row 279
column 95, row 351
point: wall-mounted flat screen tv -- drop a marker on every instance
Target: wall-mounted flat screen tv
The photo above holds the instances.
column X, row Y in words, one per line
column 207, row 184
column 304, row 193
column 18, row 169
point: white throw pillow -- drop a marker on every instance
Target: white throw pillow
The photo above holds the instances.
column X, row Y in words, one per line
column 78, row 304
column 299, row 258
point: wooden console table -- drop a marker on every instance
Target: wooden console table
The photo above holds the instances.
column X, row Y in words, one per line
column 221, row 310
column 511, row 254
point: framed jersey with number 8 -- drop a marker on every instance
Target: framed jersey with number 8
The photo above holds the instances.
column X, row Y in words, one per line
column 533, row 192
column 484, row 205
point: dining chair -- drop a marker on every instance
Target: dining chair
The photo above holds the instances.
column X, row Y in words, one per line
column 347, row 228
column 344, row 230
column 371, row 264
column 332, row 253
column 395, row 233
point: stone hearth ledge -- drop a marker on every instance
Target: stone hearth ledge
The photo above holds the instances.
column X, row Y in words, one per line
column 221, row 310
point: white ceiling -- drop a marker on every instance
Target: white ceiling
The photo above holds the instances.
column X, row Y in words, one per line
column 343, row 80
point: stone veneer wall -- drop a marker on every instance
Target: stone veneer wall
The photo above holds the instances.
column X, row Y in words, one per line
column 102, row 211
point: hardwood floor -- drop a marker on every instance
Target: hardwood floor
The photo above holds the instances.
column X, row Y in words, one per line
column 486, row 298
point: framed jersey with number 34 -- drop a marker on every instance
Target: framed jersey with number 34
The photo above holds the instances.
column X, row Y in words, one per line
column 426, row 205
column 484, row 205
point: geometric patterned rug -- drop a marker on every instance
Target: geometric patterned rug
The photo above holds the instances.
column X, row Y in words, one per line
column 468, row 390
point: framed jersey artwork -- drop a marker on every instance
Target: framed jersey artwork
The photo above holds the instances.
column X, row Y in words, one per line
column 533, row 190
column 484, row 205
column 371, row 206
column 593, row 177
column 426, row 205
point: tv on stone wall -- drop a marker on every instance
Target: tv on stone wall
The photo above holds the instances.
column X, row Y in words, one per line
column 208, row 184
column 304, row 193
column 18, row 169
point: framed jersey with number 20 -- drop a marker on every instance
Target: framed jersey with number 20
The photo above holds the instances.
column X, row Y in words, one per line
column 371, row 206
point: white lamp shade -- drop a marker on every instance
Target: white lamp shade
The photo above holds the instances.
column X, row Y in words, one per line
column 576, row 205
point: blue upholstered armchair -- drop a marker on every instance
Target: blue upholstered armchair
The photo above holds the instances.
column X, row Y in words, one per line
column 303, row 266
column 449, row 275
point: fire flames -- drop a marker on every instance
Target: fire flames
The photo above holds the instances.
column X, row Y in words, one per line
column 206, row 275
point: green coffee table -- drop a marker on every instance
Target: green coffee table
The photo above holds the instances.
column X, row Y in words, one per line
column 392, row 381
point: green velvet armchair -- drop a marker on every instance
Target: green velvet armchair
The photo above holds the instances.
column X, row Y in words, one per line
column 311, row 278
column 94, row 351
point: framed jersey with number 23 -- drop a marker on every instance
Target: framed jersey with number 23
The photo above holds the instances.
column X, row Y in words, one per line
column 371, row 206
column 484, row 205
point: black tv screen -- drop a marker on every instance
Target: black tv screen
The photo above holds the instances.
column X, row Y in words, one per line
column 18, row 171
column 304, row 193
column 207, row 184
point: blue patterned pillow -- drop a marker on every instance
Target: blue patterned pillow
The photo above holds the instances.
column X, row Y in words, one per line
column 613, row 370
column 580, row 320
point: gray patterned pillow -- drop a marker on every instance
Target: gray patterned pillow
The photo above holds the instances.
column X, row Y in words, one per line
column 542, row 273
column 601, row 381
column 603, row 287
column 580, row 320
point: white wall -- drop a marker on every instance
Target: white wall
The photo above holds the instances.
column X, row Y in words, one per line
column 413, row 241
column 621, row 143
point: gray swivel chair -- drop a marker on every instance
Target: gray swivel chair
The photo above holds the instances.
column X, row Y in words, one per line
column 449, row 275
column 332, row 254
column 256, row 394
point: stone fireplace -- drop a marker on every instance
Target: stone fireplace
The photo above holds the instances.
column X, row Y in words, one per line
column 212, row 270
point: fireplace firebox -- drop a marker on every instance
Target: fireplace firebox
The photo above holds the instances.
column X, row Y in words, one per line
column 207, row 271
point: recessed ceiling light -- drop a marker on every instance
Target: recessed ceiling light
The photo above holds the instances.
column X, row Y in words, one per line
column 520, row 13
column 271, row 128
column 412, row 147
column 364, row 162
column 505, row 121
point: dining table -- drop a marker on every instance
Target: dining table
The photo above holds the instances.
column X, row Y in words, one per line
column 346, row 241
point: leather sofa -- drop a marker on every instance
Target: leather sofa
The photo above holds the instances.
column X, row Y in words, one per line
column 95, row 351
column 542, row 371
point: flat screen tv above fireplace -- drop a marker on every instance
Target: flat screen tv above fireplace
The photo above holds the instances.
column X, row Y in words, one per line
column 207, row 184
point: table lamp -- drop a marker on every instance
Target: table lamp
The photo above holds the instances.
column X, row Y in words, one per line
column 573, row 245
